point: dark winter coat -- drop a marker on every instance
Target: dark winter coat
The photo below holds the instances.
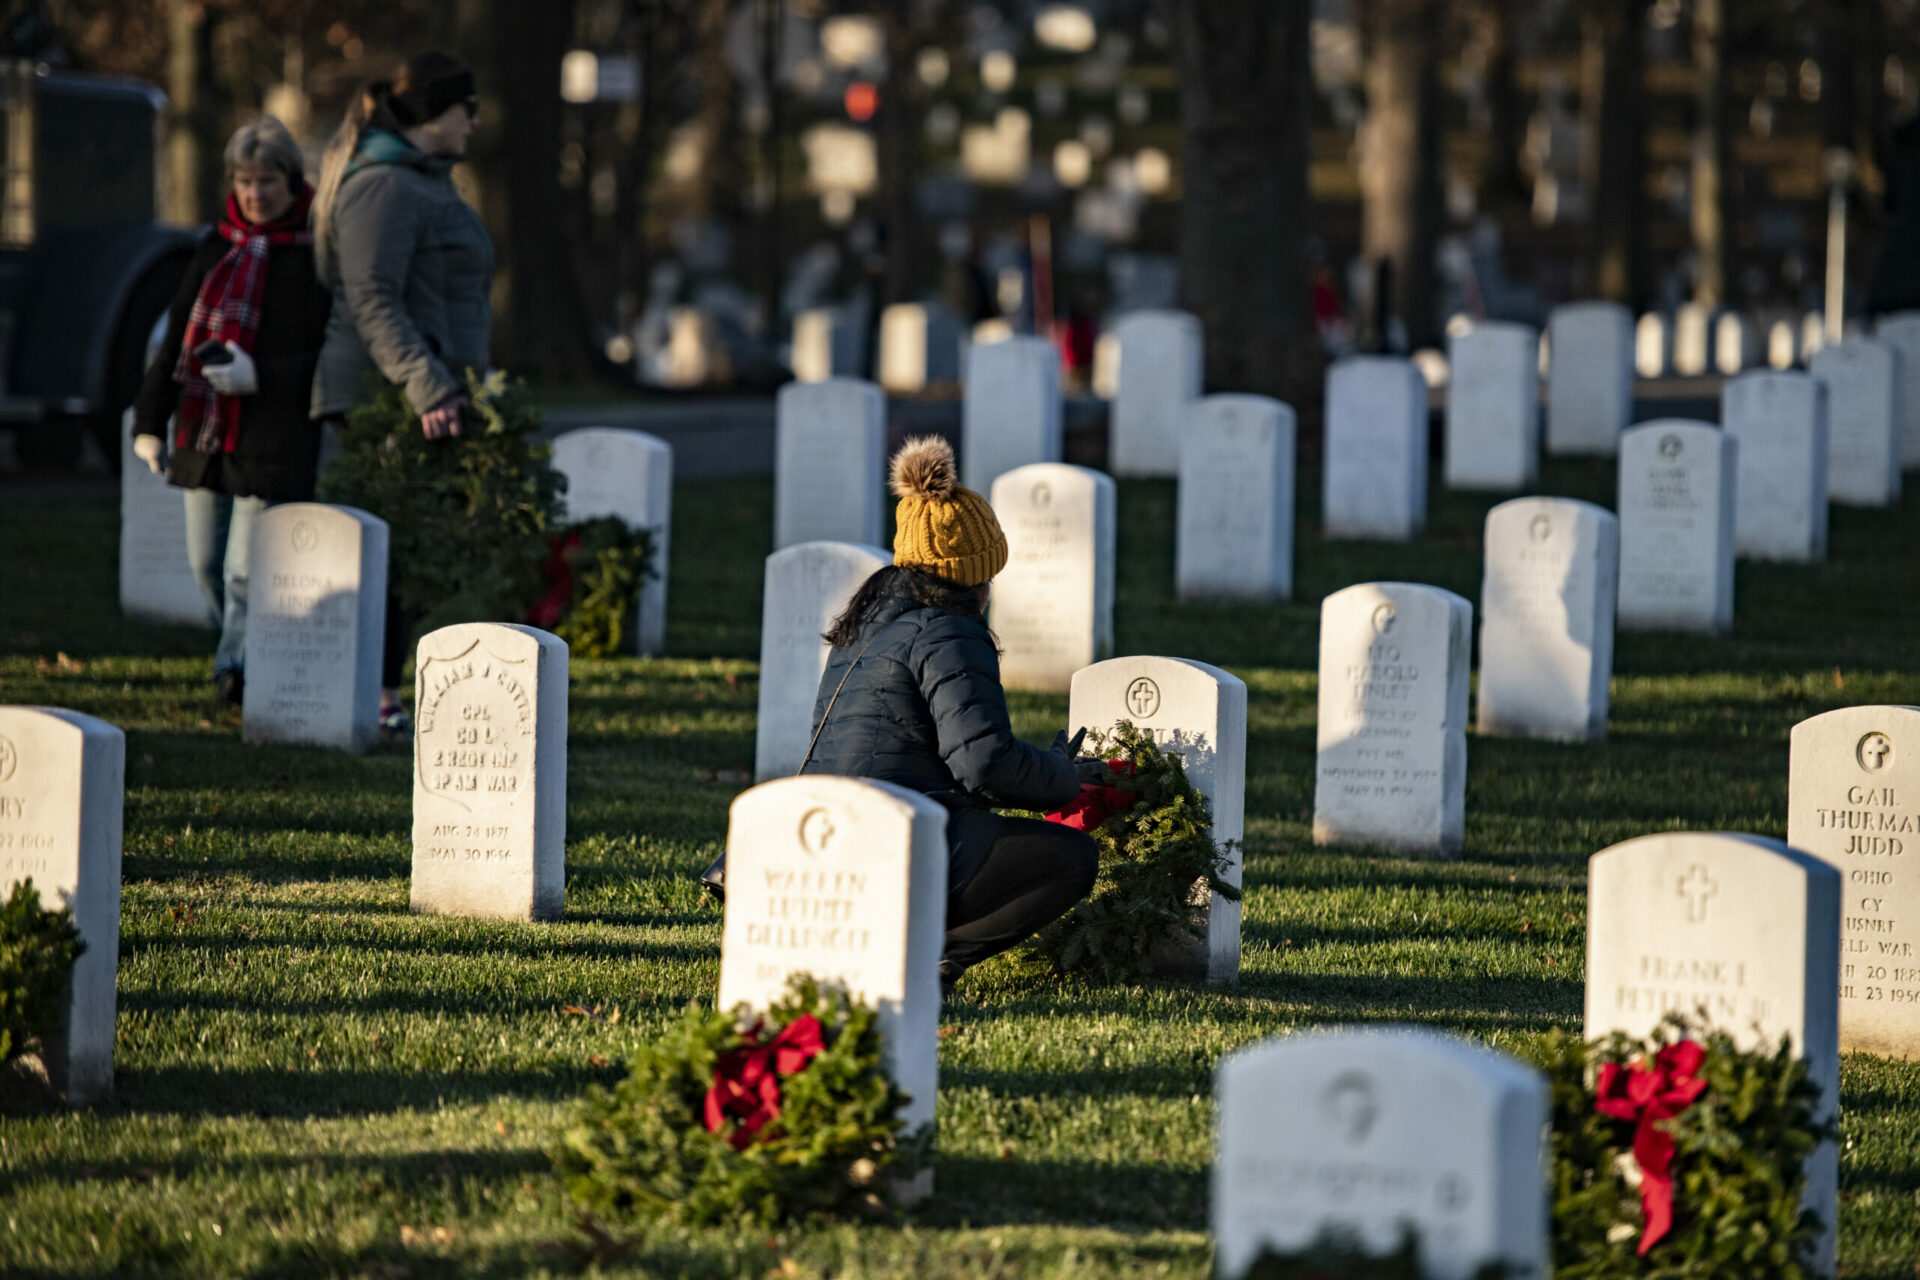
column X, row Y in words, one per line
column 279, row 447
column 412, row 267
column 924, row 709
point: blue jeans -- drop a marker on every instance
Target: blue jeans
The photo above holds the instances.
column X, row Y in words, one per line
column 219, row 543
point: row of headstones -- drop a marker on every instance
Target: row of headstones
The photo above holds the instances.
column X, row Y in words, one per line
column 1374, row 1130
column 1695, row 340
column 318, row 578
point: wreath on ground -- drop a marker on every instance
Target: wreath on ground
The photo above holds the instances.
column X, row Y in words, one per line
column 747, row 1119
column 1155, row 833
column 594, row 572
column 38, row 948
column 1681, row 1154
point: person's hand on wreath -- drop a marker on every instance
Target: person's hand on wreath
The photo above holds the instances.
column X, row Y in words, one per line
column 443, row 419
column 1092, row 772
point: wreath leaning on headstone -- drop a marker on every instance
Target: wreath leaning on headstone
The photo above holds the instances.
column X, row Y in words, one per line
column 594, row 574
column 37, row 951
column 744, row 1119
column 1681, row 1154
column 1155, row 833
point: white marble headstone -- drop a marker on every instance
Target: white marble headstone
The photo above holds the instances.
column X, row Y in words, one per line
column 155, row 582
column 1652, row 346
column 806, row 588
column 1901, row 331
column 1546, row 619
column 612, row 471
column 1590, row 381
column 828, row 342
column 1235, row 519
column 1392, row 726
column 1677, row 488
column 919, row 347
column 1692, row 339
column 316, row 623
column 62, row 788
column 1052, row 607
column 1864, row 385
column 1779, row 421
column 1367, row 1132
column 1736, row 343
column 829, row 455
column 1161, row 355
column 1010, row 416
column 1853, row 800
column 1199, row 713
column 846, row 880
column 1493, row 408
column 490, row 772
column 1741, row 925
column 1376, row 452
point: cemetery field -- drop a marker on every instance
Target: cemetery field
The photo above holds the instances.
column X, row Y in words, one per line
column 311, row 1080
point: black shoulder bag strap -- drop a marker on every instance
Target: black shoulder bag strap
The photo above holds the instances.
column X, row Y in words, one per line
column 714, row 878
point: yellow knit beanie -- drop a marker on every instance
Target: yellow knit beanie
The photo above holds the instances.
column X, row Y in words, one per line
column 940, row 526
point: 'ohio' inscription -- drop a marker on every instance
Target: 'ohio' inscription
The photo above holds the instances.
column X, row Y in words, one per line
column 1869, row 836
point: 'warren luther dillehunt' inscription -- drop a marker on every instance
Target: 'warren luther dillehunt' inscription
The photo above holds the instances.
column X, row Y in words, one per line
column 806, row 910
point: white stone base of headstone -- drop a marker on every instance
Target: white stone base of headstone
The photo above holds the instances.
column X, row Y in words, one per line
column 843, row 879
column 155, row 582
column 806, row 588
column 1011, row 412
column 1546, row 619
column 1391, row 768
column 1235, row 520
column 830, row 452
column 1676, row 509
column 62, row 789
column 490, row 772
column 1779, row 422
column 1052, row 607
column 1851, row 802
column 1160, row 361
column 1368, row 1132
column 1199, row 713
column 316, row 624
column 1740, row 924
column 612, row 471
column 1590, row 378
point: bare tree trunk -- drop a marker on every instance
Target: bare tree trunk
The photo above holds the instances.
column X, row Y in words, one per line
column 1505, row 186
column 1612, row 58
column 1401, row 203
column 899, row 123
column 1246, row 110
column 1712, row 224
column 196, row 171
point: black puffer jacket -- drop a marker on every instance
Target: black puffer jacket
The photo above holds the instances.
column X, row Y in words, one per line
column 925, row 710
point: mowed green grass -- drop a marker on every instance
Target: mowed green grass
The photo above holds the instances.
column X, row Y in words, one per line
column 313, row 1081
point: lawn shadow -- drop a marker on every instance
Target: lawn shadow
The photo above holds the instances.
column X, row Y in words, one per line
column 975, row 1191
column 263, row 1092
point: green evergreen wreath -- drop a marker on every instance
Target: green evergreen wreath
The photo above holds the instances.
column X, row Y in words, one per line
column 38, row 948
column 602, row 566
column 644, row 1149
column 1152, row 858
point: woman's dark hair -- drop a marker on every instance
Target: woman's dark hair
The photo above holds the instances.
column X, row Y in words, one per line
column 929, row 590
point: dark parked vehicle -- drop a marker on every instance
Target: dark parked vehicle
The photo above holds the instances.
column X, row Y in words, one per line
column 85, row 271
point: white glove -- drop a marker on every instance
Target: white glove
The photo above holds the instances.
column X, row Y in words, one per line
column 151, row 450
column 237, row 377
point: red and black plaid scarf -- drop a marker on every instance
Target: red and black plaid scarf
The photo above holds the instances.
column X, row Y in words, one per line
column 227, row 309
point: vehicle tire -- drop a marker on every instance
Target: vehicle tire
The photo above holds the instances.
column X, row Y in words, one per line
column 128, row 363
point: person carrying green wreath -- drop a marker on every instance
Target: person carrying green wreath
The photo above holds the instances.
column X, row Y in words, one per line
column 912, row 696
column 411, row 268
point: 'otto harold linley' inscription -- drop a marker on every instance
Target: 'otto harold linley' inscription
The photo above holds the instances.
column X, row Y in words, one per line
column 489, row 792
column 1854, row 801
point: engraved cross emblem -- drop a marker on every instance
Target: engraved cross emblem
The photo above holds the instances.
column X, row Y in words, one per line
column 816, row 830
column 1874, row 751
column 1696, row 887
column 1143, row 697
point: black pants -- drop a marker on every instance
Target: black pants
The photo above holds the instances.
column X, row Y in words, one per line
column 1030, row 873
column 395, row 649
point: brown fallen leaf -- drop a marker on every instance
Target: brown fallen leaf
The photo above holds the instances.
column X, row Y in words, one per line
column 598, row 1060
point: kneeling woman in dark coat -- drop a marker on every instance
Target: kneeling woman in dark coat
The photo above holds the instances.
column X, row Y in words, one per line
column 912, row 696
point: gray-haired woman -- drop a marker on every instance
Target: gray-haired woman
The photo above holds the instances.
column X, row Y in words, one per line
column 235, row 373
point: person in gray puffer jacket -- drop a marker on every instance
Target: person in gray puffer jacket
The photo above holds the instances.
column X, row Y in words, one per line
column 912, row 696
column 411, row 268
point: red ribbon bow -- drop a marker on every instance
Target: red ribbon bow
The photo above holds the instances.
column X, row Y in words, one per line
column 557, row 572
column 1096, row 802
column 746, row 1081
column 1647, row 1095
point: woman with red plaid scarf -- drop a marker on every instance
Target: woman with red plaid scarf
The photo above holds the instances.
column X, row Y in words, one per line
column 235, row 375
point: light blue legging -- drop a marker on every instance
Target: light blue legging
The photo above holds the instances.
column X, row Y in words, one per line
column 219, row 538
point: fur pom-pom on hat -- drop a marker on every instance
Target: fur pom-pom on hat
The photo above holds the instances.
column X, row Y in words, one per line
column 940, row 525
column 924, row 468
